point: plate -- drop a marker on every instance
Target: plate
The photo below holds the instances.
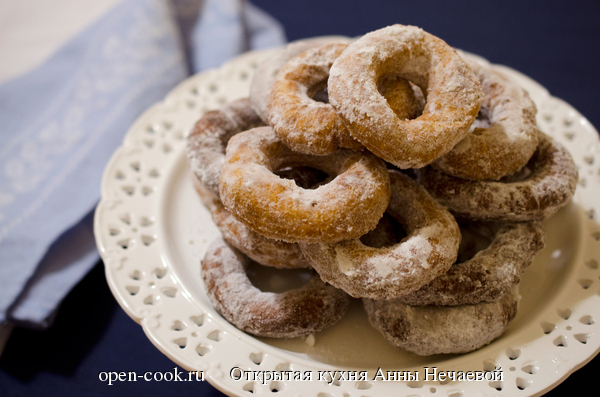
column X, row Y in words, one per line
column 152, row 232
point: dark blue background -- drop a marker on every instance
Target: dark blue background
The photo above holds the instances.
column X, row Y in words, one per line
column 557, row 43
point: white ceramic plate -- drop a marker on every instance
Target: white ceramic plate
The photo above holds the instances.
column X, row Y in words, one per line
column 152, row 233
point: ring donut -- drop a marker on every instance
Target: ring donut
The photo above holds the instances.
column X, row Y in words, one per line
column 205, row 146
column 263, row 250
column 347, row 207
column 541, row 188
column 489, row 274
column 428, row 251
column 452, row 90
column 267, row 70
column 311, row 126
column 504, row 135
column 428, row 330
column 290, row 314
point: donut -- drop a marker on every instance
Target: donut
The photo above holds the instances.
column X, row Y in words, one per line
column 347, row 207
column 541, row 188
column 267, row 70
column 503, row 136
column 428, row 330
column 487, row 275
column 310, row 126
column 205, row 145
column 263, row 250
column 290, row 314
column 428, row 250
column 452, row 90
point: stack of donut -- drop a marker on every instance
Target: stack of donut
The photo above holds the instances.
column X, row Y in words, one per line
column 403, row 173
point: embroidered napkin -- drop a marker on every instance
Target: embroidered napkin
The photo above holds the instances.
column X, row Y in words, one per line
column 61, row 123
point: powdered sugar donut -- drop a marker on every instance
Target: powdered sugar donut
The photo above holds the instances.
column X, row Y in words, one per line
column 206, row 143
column 311, row 126
column 293, row 313
column 267, row 70
column 347, row 207
column 489, row 274
column 427, row 252
column 541, row 188
column 504, row 135
column 452, row 90
column 427, row 330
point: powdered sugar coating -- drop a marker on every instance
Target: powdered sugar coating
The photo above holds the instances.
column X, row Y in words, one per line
column 549, row 186
column 427, row 252
column 263, row 250
column 267, row 70
column 428, row 330
column 347, row 207
column 297, row 312
column 452, row 90
column 489, row 274
column 206, row 143
column 504, row 136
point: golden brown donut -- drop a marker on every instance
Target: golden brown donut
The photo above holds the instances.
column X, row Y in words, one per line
column 267, row 70
column 489, row 274
column 347, row 207
column 541, row 188
column 205, row 146
column 428, row 251
column 452, row 90
column 304, row 124
column 504, row 135
column 293, row 313
column 427, row 330
column 311, row 126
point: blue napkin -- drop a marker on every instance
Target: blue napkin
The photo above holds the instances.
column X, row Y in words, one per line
column 61, row 123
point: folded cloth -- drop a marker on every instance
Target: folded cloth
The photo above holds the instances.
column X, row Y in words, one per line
column 62, row 121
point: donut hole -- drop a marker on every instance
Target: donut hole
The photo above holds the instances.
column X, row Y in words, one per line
column 520, row 175
column 305, row 177
column 482, row 121
column 388, row 232
column 475, row 237
column 407, row 101
column 270, row 279
column 318, row 92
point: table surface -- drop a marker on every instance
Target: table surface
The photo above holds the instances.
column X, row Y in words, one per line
column 555, row 43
